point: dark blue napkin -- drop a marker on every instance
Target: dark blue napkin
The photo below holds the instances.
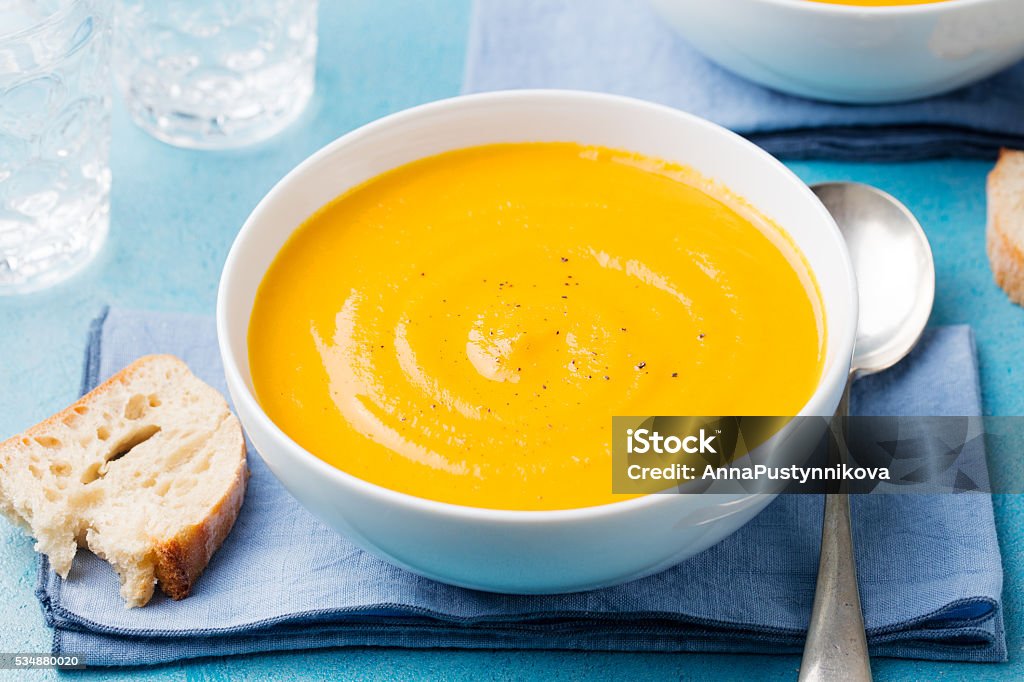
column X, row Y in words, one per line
column 929, row 565
column 622, row 46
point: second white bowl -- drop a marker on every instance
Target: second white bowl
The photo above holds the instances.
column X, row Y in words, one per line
column 845, row 53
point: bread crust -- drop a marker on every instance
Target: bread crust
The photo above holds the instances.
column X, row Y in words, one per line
column 1007, row 262
column 182, row 559
column 1005, row 220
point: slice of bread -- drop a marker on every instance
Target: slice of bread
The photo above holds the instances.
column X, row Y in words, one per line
column 1005, row 236
column 148, row 471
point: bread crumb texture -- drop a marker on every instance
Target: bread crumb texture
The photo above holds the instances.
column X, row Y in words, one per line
column 1005, row 235
column 148, row 471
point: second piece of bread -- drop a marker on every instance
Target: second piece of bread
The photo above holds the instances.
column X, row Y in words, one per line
column 1005, row 234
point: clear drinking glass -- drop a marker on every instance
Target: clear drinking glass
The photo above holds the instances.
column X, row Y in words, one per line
column 215, row 73
column 54, row 138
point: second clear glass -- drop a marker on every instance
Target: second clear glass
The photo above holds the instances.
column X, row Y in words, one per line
column 215, row 73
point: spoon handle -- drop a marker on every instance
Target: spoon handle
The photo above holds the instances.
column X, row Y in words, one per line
column 836, row 647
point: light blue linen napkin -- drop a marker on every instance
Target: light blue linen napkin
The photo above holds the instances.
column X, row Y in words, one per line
column 929, row 566
column 623, row 47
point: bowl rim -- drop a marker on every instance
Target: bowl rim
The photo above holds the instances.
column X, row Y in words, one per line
column 811, row 6
column 832, row 376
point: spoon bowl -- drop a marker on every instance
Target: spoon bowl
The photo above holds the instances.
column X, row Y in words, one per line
column 895, row 271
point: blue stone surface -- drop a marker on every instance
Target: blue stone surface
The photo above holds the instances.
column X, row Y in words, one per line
column 175, row 213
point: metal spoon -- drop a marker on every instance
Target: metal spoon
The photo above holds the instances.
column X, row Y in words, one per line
column 896, row 284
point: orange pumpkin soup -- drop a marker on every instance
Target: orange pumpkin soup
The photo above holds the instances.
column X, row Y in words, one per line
column 464, row 327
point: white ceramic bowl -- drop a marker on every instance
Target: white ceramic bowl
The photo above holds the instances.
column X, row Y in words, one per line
column 854, row 54
column 523, row 551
